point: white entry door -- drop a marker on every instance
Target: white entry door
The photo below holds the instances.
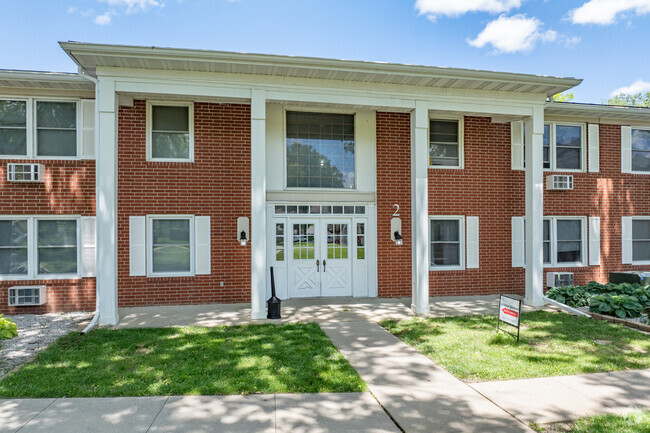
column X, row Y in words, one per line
column 320, row 258
column 336, row 251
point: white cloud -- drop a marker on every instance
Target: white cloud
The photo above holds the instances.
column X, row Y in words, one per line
column 132, row 6
column 636, row 87
column 607, row 11
column 454, row 8
column 104, row 19
column 513, row 34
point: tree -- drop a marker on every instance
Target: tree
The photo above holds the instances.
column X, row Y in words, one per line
column 641, row 99
column 563, row 97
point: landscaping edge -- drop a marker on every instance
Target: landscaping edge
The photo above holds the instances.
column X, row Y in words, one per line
column 629, row 323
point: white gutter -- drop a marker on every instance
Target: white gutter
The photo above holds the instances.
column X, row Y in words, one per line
column 566, row 307
column 83, row 74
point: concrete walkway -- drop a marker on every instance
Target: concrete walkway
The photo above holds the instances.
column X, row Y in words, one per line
column 268, row 413
column 418, row 394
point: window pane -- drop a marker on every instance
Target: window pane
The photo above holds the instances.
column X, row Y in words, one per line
column 13, row 261
column 569, row 136
column 171, row 231
column 547, row 252
column 641, row 251
column 569, row 230
column 641, row 230
column 640, row 161
column 57, row 260
column 56, row 115
column 279, row 242
column 170, row 145
column 320, row 150
column 55, row 233
column 361, row 241
column 547, row 230
column 568, row 158
column 445, row 254
column 568, row 252
column 546, row 140
column 56, row 142
column 641, row 139
column 443, row 131
column 13, row 114
column 171, row 258
column 13, row 233
column 176, row 119
column 13, row 142
column 444, row 230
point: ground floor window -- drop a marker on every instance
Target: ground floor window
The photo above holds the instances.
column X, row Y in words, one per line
column 171, row 245
column 32, row 247
column 564, row 241
column 641, row 240
column 446, row 242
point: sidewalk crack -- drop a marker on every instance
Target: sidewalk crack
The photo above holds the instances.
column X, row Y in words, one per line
column 32, row 418
column 158, row 414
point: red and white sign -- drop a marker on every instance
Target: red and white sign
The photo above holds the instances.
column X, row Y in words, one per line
column 509, row 310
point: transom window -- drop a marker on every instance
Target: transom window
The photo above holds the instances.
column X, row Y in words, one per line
column 55, row 123
column 170, row 135
column 320, row 150
column 447, row 244
column 641, row 240
column 32, row 247
column 328, row 209
column 641, row 150
column 171, row 246
column 445, row 143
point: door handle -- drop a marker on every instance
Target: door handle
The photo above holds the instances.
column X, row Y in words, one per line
column 324, row 263
column 317, row 265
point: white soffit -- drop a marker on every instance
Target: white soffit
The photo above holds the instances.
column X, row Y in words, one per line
column 44, row 80
column 597, row 111
column 91, row 56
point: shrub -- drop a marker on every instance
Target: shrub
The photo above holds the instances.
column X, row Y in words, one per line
column 620, row 305
column 572, row 296
column 8, row 329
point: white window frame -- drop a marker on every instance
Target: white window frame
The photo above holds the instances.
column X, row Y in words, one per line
column 32, row 248
column 583, row 244
column 149, row 129
column 632, row 128
column 149, row 246
column 553, row 148
column 638, row 218
column 461, row 240
column 327, row 111
column 461, row 143
column 32, row 128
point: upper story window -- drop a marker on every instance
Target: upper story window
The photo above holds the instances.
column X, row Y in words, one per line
column 640, row 150
column 563, row 147
column 320, row 150
column 445, row 144
column 170, row 131
column 55, row 123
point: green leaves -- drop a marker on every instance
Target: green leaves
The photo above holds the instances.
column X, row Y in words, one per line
column 621, row 300
column 621, row 305
column 8, row 329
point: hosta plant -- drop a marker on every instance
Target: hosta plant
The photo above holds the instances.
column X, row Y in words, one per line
column 8, row 329
column 616, row 305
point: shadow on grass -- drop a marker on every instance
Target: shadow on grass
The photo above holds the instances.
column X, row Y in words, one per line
column 187, row 361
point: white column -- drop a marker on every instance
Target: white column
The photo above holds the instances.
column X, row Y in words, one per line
column 258, row 204
column 535, row 208
column 420, row 206
column 106, row 202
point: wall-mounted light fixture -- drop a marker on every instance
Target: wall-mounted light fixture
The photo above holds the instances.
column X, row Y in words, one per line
column 243, row 235
column 396, row 231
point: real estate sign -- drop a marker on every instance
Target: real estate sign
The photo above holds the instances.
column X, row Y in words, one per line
column 509, row 311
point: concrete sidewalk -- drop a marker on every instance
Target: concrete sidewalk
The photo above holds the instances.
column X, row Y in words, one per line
column 267, row 413
column 418, row 394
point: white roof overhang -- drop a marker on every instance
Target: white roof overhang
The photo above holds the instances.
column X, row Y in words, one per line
column 598, row 112
column 44, row 80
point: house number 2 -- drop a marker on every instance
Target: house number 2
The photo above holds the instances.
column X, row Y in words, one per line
column 396, row 206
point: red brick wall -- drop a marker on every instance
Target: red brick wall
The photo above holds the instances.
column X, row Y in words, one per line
column 393, row 187
column 69, row 189
column 216, row 184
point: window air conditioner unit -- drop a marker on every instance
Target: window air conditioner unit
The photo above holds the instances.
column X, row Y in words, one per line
column 25, row 172
column 22, row 296
column 559, row 182
column 559, row 279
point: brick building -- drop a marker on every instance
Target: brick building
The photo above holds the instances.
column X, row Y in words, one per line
column 160, row 176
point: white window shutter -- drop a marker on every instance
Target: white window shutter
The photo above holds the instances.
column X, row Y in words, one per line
column 517, row 145
column 594, row 241
column 88, row 128
column 594, row 148
column 202, row 245
column 88, row 246
column 517, row 227
column 137, row 246
column 472, row 241
column 626, row 238
column 626, row 149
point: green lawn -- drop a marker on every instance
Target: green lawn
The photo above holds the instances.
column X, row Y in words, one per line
column 552, row 344
column 266, row 358
column 634, row 422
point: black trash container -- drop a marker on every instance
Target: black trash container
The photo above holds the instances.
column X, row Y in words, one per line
column 274, row 303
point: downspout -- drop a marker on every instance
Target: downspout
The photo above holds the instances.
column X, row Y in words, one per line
column 83, row 74
column 566, row 307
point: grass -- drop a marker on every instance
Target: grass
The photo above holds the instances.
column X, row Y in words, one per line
column 634, row 422
column 551, row 344
column 266, row 358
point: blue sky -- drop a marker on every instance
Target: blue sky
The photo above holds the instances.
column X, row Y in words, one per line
column 605, row 42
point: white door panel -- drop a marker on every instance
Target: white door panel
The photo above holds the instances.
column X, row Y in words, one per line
column 336, row 250
column 304, row 274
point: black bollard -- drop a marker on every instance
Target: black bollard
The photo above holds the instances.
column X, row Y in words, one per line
column 273, row 304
